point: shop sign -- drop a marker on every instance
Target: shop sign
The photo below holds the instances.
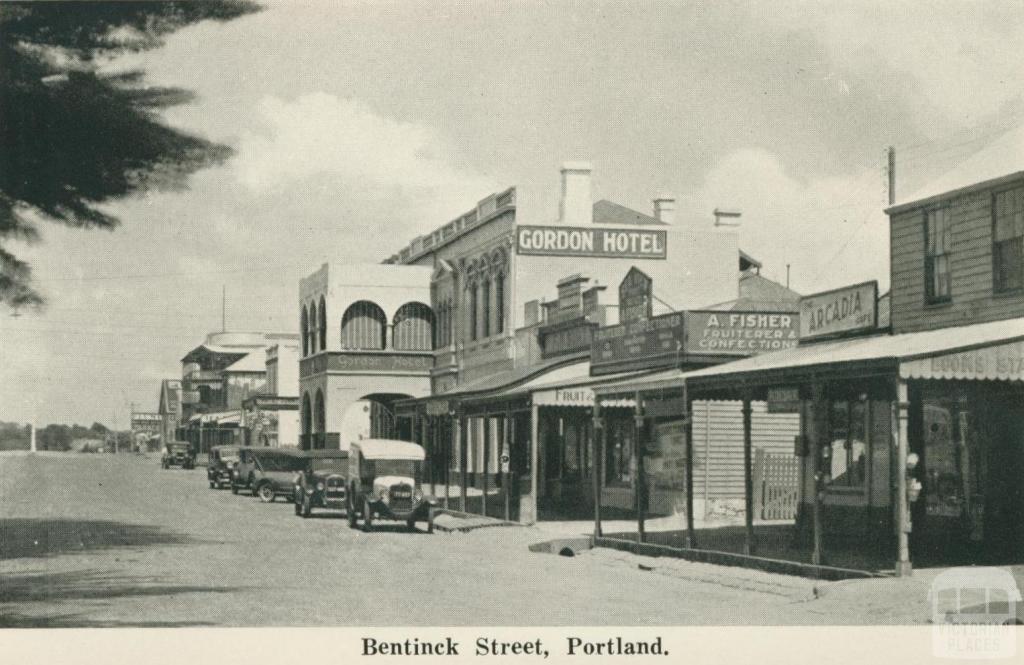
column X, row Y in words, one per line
column 784, row 400
column 842, row 311
column 596, row 242
column 1000, row 362
column 564, row 397
column 437, row 407
column 347, row 361
column 643, row 344
column 635, row 296
column 740, row 333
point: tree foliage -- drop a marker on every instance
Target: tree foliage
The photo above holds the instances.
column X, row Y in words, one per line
column 73, row 136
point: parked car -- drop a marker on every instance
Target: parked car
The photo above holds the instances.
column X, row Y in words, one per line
column 242, row 470
column 178, row 453
column 220, row 464
column 321, row 481
column 274, row 472
column 385, row 479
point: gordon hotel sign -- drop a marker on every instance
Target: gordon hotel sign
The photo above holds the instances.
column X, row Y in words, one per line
column 594, row 242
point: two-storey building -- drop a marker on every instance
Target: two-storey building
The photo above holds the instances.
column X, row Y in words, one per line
column 912, row 438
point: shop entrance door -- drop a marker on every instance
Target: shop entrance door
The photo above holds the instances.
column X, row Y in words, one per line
column 1004, row 487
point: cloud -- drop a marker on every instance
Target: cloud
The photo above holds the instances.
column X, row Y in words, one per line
column 832, row 230
column 355, row 154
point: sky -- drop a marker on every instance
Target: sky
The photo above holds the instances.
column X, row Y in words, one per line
column 359, row 125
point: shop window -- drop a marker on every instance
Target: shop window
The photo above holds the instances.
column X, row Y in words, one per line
column 619, row 452
column 1008, row 241
column 938, row 242
column 847, row 453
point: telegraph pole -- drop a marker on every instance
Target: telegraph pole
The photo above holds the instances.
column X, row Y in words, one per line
column 892, row 175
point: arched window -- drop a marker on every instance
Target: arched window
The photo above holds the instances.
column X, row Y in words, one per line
column 307, row 415
column 413, row 328
column 305, row 331
column 473, row 309
column 485, row 308
column 362, row 326
column 322, row 324
column 312, row 328
column 319, row 413
column 499, row 303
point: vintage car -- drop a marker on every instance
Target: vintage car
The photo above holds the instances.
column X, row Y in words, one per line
column 221, row 462
column 178, row 453
column 321, row 482
column 242, row 470
column 274, row 472
column 384, row 480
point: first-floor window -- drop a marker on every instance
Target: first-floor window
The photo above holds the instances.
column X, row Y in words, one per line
column 1008, row 241
column 938, row 242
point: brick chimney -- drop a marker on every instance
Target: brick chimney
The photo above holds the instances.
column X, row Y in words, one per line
column 665, row 208
column 576, row 207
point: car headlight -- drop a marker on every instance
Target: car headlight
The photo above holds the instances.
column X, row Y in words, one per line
column 319, row 487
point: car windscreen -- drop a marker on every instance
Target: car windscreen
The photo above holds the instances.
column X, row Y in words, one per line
column 339, row 464
column 279, row 462
column 394, row 467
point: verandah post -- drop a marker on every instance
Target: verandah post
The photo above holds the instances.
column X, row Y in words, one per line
column 691, row 535
column 638, row 465
column 901, row 417
column 596, row 443
column 749, row 546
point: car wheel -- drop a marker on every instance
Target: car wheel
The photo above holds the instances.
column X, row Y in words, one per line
column 367, row 516
column 410, row 524
column 266, row 493
column 234, row 488
column 350, row 512
column 298, row 506
column 213, row 484
column 307, row 506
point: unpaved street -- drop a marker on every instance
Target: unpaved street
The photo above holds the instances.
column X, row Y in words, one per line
column 104, row 540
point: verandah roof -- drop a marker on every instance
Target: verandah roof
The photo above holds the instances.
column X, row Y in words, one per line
column 877, row 352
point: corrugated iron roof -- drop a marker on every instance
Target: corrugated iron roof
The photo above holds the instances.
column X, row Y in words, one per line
column 1001, row 158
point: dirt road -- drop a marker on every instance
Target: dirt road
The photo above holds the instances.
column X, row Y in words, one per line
column 104, row 540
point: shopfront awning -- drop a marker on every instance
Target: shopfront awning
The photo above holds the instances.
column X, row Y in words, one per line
column 991, row 350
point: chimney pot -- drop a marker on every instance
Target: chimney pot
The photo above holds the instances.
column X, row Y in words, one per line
column 665, row 208
column 576, row 207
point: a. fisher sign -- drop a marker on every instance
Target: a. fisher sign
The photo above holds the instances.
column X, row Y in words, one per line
column 595, row 242
column 646, row 343
column 739, row 333
column 839, row 312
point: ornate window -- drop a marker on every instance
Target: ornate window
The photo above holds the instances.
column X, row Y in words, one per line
column 322, row 324
column 473, row 311
column 413, row 328
column 499, row 303
column 312, row 328
column 305, row 331
column 485, row 308
column 363, row 326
